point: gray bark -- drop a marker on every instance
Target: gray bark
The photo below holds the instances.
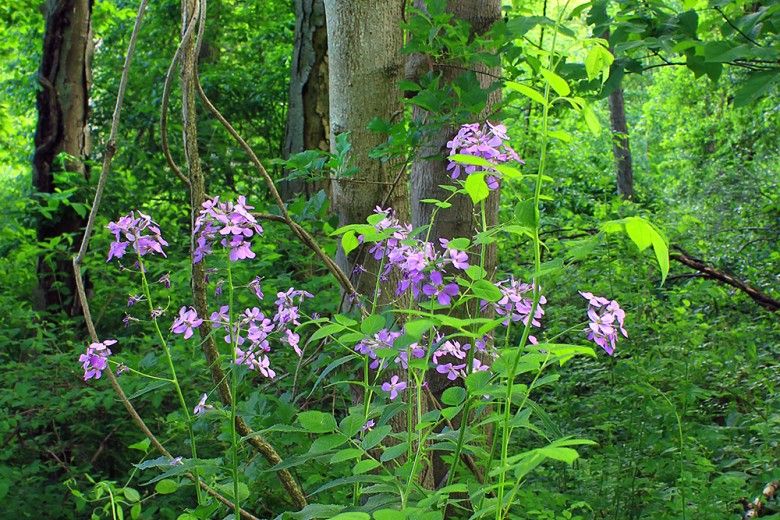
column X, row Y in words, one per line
column 429, row 171
column 620, row 145
column 307, row 113
column 365, row 61
column 63, row 109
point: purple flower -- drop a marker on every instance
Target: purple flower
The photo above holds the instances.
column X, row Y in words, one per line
column 186, row 322
column 156, row 313
column 384, row 339
column 141, row 231
column 516, row 302
column 256, row 288
column 231, row 224
column 450, row 348
column 368, row 426
column 292, row 339
column 201, row 407
column 95, row 359
column 394, row 386
column 178, row 461
column 459, row 259
column 488, row 142
column 452, row 371
column 437, row 289
column 165, row 280
column 133, row 299
column 606, row 319
column 121, row 369
column 220, row 318
column 286, row 308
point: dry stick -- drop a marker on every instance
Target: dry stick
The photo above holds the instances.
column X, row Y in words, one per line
column 197, row 196
column 708, row 271
column 79, row 258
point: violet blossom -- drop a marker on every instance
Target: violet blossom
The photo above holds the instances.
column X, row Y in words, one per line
column 186, row 322
column 606, row 319
column 229, row 224
column 490, row 142
column 202, row 407
column 393, row 387
column 436, row 288
column 140, row 231
column 95, row 360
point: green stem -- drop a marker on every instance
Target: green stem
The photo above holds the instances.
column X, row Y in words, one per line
column 233, row 391
column 174, row 379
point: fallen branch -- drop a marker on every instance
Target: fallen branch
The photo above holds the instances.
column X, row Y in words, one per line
column 711, row 272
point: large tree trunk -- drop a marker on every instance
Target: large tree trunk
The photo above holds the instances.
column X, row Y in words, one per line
column 429, row 169
column 307, row 112
column 620, row 144
column 63, row 109
column 365, row 61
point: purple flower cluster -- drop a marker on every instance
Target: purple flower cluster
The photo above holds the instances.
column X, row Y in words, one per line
column 140, row 231
column 490, row 142
column 230, row 223
column 419, row 263
column 606, row 319
column 516, row 302
column 95, row 360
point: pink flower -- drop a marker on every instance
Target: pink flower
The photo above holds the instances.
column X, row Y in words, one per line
column 186, row 322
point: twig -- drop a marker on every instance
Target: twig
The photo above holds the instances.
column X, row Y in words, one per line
column 79, row 258
column 733, row 26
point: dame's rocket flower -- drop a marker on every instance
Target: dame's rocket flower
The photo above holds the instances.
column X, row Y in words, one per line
column 95, row 360
column 186, row 322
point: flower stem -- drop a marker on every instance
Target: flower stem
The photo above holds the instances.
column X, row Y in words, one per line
column 174, row 379
column 233, row 390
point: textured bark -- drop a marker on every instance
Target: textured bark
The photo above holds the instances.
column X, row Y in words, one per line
column 63, row 108
column 365, row 61
column 620, row 145
column 429, row 171
column 307, row 114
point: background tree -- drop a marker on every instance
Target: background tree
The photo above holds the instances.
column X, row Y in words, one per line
column 308, row 126
column 62, row 140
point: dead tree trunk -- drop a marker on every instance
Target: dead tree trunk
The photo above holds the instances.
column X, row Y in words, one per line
column 62, row 102
column 307, row 112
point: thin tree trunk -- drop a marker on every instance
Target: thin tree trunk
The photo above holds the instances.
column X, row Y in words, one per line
column 307, row 112
column 365, row 61
column 620, row 145
column 63, row 109
column 429, row 170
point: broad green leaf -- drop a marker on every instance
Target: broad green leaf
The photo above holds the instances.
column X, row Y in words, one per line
column 416, row 328
column 486, row 290
column 453, row 396
column 327, row 330
column 591, row 120
column 597, row 62
column 527, row 91
column 166, row 487
column 131, row 494
column 557, row 83
column 349, row 242
column 566, row 455
column 315, row 421
column 375, row 436
column 372, row 324
column 354, row 515
column 346, row 454
column 476, row 187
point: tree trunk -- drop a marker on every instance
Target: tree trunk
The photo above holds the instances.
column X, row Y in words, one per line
column 365, row 61
column 429, row 169
column 307, row 112
column 63, row 109
column 620, row 145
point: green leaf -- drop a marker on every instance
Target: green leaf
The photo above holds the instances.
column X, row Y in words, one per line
column 476, row 187
column 527, row 91
column 346, row 454
column 486, row 290
column 453, row 396
column 394, row 451
column 349, row 242
column 475, row 272
column 591, row 120
column 558, row 84
column 142, row 445
column 131, row 494
column 372, row 324
column 354, row 515
column 597, row 62
column 416, row 328
column 566, row 455
column 375, row 436
column 461, row 244
column 315, row 421
column 364, row 466
column 166, row 486
column 389, row 514
column 327, row 330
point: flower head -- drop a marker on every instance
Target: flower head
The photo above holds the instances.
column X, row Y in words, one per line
column 393, row 387
column 489, row 142
column 186, row 322
column 202, row 407
column 139, row 231
column 230, row 224
column 606, row 319
column 95, row 360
